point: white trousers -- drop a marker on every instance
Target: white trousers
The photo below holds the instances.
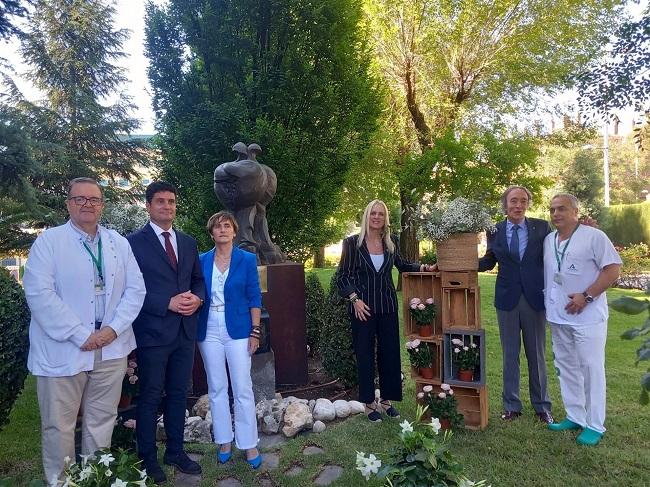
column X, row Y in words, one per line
column 96, row 394
column 218, row 349
column 579, row 356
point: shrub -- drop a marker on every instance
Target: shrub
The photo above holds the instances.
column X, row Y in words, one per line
column 627, row 224
column 636, row 264
column 14, row 342
column 335, row 338
column 314, row 306
column 428, row 257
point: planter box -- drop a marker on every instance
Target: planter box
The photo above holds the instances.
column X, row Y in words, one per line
column 438, row 361
column 450, row 375
column 461, row 308
column 421, row 285
column 472, row 403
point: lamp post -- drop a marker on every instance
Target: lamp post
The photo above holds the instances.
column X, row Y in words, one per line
column 606, row 160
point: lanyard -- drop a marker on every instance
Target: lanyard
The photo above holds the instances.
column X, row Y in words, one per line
column 96, row 260
column 560, row 257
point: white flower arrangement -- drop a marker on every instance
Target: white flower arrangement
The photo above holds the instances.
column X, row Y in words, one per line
column 96, row 471
column 440, row 220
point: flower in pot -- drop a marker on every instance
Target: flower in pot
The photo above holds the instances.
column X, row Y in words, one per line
column 443, row 405
column 466, row 357
column 129, row 382
column 423, row 312
column 421, row 357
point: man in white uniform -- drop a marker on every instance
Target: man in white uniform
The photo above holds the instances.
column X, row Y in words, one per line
column 84, row 289
column 580, row 263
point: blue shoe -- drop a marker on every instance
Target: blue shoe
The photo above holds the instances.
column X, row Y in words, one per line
column 223, row 457
column 564, row 425
column 255, row 462
column 589, row 437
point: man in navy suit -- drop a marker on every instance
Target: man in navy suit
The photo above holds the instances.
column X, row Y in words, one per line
column 518, row 247
column 165, row 329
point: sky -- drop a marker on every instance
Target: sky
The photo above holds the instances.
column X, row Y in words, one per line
column 130, row 15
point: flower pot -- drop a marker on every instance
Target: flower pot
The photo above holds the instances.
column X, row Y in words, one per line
column 458, row 253
column 445, row 424
column 426, row 372
column 125, row 402
column 425, row 330
column 466, row 375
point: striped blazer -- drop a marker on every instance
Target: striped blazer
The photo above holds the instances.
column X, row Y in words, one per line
column 356, row 273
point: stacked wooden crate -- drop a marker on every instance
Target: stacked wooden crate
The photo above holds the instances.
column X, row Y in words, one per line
column 458, row 316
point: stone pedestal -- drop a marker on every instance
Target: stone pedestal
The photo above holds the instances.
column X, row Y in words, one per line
column 285, row 301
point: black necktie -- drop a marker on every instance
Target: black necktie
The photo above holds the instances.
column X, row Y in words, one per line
column 514, row 243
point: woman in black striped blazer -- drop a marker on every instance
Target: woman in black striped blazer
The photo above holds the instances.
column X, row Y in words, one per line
column 364, row 278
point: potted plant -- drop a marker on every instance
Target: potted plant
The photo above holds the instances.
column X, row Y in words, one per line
column 107, row 468
column 442, row 405
column 454, row 226
column 422, row 457
column 466, row 357
column 423, row 312
column 421, row 358
column 129, row 382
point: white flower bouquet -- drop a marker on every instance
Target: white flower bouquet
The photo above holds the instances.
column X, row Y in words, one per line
column 106, row 468
column 440, row 220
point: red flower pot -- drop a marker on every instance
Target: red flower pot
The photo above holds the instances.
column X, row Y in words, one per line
column 125, row 402
column 445, row 424
column 426, row 372
column 466, row 375
column 425, row 330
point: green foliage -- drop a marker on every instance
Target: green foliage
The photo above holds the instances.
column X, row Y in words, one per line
column 292, row 76
column 14, row 342
column 106, row 467
column 8, row 9
column 421, row 355
column 429, row 256
column 627, row 224
column 632, row 306
column 314, row 309
column 73, row 52
column 335, row 338
column 583, row 178
column 636, row 266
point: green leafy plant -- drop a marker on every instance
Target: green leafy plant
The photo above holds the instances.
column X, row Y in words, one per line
column 439, row 220
column 466, row 356
column 314, row 299
column 14, row 342
column 633, row 306
column 636, row 264
column 423, row 312
column 118, row 468
column 420, row 353
column 443, row 404
column 422, row 458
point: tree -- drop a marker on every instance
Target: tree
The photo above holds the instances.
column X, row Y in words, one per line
column 289, row 75
column 72, row 49
column 583, row 178
column 9, row 9
column 445, row 61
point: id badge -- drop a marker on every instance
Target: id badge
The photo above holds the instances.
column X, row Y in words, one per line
column 99, row 289
column 557, row 278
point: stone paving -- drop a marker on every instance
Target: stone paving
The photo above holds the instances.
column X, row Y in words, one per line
column 271, row 461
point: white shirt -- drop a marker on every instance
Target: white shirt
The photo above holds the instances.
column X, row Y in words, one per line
column 218, row 283
column 589, row 251
column 377, row 260
column 159, row 233
column 60, row 290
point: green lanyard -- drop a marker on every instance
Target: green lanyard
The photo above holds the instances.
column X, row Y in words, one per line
column 560, row 257
column 97, row 260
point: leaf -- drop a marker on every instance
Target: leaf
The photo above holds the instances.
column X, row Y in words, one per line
column 630, row 334
column 630, row 306
column 645, row 398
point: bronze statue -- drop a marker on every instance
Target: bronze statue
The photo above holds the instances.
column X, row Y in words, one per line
column 245, row 187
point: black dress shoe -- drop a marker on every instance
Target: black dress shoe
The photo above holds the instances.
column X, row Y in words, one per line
column 545, row 417
column 183, row 463
column 154, row 472
column 510, row 415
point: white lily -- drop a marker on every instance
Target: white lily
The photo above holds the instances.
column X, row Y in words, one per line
column 406, row 427
column 435, row 425
column 106, row 459
column 119, row 483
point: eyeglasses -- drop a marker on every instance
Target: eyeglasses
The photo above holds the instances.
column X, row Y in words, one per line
column 82, row 200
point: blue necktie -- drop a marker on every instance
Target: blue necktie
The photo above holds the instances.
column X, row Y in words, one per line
column 514, row 243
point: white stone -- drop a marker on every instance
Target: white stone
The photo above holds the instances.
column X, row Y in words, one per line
column 208, row 416
column 201, row 407
column 263, row 408
column 342, row 408
column 197, row 431
column 311, row 404
column 356, row 407
column 270, row 425
column 278, row 396
column 297, row 417
column 324, row 410
column 318, row 427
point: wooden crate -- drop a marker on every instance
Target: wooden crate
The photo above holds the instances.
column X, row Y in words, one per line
column 472, row 403
column 421, row 285
column 450, row 369
column 461, row 308
column 438, row 360
column 458, row 280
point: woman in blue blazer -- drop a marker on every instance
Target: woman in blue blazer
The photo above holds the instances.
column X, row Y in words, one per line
column 229, row 332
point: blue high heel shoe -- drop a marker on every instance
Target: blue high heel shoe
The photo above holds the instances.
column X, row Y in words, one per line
column 223, row 457
column 255, row 462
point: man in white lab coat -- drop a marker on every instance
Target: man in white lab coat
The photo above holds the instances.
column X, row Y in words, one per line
column 84, row 289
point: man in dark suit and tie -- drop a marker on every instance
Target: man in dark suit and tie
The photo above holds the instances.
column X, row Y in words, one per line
column 165, row 329
column 517, row 246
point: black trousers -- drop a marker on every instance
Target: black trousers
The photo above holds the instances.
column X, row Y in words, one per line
column 165, row 368
column 381, row 330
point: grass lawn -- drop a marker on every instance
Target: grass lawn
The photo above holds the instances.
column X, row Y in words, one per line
column 521, row 453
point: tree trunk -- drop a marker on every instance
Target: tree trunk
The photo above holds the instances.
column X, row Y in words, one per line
column 319, row 258
column 408, row 241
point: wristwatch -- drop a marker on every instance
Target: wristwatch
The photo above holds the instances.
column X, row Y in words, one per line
column 588, row 297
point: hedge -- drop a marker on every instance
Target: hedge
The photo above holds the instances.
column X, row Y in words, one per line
column 627, row 224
